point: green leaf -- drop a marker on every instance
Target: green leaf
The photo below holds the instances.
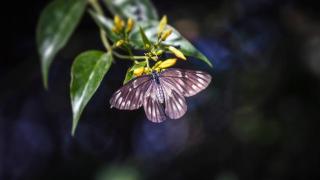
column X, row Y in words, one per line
column 144, row 38
column 56, row 24
column 87, row 72
column 129, row 74
column 138, row 10
column 104, row 23
column 150, row 31
column 175, row 39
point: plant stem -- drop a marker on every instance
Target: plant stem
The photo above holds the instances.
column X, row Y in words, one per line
column 121, row 56
column 105, row 42
column 103, row 35
column 147, row 61
column 96, row 6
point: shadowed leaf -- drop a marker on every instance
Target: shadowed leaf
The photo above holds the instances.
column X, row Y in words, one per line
column 175, row 39
column 138, row 10
column 56, row 24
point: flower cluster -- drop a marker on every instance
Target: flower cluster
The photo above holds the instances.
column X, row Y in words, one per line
column 122, row 30
column 152, row 59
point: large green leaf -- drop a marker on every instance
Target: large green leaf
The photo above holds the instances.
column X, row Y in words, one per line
column 138, row 10
column 87, row 72
column 175, row 39
column 56, row 24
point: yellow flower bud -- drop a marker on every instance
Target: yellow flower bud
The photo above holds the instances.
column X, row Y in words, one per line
column 157, row 64
column 165, row 34
column 118, row 24
column 147, row 70
column 114, row 29
column 119, row 43
column 138, row 71
column 177, row 53
column 159, row 52
column 157, row 69
column 130, row 24
column 168, row 63
column 162, row 24
column 155, row 58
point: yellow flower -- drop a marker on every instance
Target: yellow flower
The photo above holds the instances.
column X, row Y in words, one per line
column 130, row 24
column 155, row 58
column 147, row 46
column 138, row 71
column 159, row 52
column 167, row 63
column 157, row 69
column 165, row 34
column 157, row 64
column 162, row 25
column 147, row 70
column 119, row 43
column 177, row 53
column 118, row 24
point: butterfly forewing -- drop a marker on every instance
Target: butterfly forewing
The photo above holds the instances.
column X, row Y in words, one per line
column 187, row 82
column 152, row 106
column 131, row 95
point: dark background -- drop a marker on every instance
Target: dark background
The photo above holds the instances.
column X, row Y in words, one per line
column 259, row 119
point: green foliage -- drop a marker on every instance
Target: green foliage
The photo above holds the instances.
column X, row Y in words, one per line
column 104, row 23
column 87, row 72
column 145, row 40
column 176, row 39
column 56, row 24
column 129, row 8
column 129, row 74
column 150, row 31
column 129, row 31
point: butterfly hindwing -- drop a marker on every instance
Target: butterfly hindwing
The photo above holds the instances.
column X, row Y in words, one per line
column 175, row 103
column 152, row 106
column 131, row 95
column 187, row 82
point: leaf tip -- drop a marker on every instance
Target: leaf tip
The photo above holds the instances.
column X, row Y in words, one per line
column 74, row 127
column 45, row 83
column 45, row 78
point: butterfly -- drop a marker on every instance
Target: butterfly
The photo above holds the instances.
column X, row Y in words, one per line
column 162, row 94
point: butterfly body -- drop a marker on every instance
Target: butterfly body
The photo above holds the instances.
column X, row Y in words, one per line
column 161, row 94
column 155, row 77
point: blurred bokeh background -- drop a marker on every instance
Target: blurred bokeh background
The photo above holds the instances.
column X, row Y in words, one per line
column 259, row 119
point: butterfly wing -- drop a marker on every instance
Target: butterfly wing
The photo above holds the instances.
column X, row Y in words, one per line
column 175, row 103
column 187, row 82
column 152, row 106
column 174, row 83
column 131, row 95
